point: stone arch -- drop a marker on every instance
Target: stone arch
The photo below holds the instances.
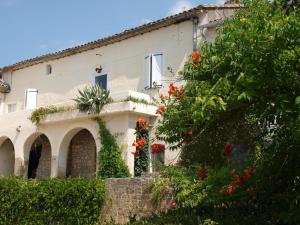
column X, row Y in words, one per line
column 7, row 157
column 78, row 154
column 37, row 156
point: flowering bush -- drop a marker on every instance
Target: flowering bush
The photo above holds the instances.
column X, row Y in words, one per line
column 141, row 154
column 243, row 89
column 156, row 148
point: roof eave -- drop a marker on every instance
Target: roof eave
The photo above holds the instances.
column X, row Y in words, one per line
column 181, row 17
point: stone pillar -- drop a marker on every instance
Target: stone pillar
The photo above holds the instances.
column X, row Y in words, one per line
column 19, row 167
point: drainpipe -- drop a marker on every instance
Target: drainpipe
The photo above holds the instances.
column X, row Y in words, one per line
column 195, row 29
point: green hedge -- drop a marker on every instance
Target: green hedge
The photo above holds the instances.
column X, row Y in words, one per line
column 51, row 201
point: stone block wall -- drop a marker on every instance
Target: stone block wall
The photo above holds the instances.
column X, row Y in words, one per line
column 44, row 167
column 131, row 197
column 82, row 156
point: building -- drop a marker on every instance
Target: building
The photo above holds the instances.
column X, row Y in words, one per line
column 134, row 63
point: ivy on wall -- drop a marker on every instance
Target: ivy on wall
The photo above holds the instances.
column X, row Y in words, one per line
column 141, row 154
column 110, row 159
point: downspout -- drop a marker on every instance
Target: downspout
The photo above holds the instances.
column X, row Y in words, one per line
column 195, row 30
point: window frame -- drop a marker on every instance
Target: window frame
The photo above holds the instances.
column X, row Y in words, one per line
column 150, row 73
column 49, row 70
column 107, row 79
column 36, row 100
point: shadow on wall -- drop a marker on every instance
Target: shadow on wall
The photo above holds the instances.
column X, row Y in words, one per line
column 7, row 157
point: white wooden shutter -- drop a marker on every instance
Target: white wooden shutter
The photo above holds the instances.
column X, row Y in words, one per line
column 157, row 68
column 31, row 98
column 147, row 72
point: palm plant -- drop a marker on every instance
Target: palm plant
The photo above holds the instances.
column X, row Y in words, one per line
column 92, row 99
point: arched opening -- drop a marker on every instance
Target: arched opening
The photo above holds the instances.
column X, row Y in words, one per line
column 39, row 166
column 7, row 157
column 81, row 159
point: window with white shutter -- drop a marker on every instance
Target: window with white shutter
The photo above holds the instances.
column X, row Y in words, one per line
column 31, row 98
column 153, row 70
column 157, row 67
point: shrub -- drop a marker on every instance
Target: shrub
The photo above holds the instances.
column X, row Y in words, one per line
column 92, row 99
column 51, row 201
column 110, row 160
column 38, row 114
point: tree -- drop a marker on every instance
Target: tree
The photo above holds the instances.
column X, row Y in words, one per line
column 245, row 88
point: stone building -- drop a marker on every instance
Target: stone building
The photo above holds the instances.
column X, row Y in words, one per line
column 133, row 63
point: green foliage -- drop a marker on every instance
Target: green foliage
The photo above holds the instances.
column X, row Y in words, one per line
column 245, row 90
column 137, row 100
column 51, row 201
column 92, row 99
column 110, row 159
column 38, row 114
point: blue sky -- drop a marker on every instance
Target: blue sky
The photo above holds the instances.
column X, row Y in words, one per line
column 31, row 28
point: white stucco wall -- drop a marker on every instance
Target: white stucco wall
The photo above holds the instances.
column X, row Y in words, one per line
column 122, row 61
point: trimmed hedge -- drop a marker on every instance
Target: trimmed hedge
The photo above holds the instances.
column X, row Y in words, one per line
column 51, row 201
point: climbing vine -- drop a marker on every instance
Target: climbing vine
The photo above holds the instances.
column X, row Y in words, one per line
column 110, row 159
column 141, row 154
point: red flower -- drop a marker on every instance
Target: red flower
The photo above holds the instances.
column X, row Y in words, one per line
column 135, row 144
column 136, row 152
column 230, row 189
column 173, row 204
column 172, row 89
column 227, row 149
column 139, row 143
column 195, row 56
column 162, row 97
column 203, row 173
column 161, row 109
column 248, row 172
column 180, row 91
column 155, row 148
column 141, row 122
column 189, row 133
column 239, row 180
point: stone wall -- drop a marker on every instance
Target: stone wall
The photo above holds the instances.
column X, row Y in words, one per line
column 44, row 166
column 82, row 156
column 131, row 197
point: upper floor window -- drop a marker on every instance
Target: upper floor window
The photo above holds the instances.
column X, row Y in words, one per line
column 48, row 69
column 153, row 70
column 101, row 81
column 11, row 107
column 31, row 98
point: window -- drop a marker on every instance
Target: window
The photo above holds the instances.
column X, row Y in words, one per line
column 11, row 108
column 0, row 105
column 101, row 81
column 153, row 70
column 31, row 98
column 48, row 69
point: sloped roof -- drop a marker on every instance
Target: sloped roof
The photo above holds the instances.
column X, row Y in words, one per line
column 167, row 21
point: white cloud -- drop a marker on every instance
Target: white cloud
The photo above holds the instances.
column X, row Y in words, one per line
column 145, row 21
column 179, row 7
